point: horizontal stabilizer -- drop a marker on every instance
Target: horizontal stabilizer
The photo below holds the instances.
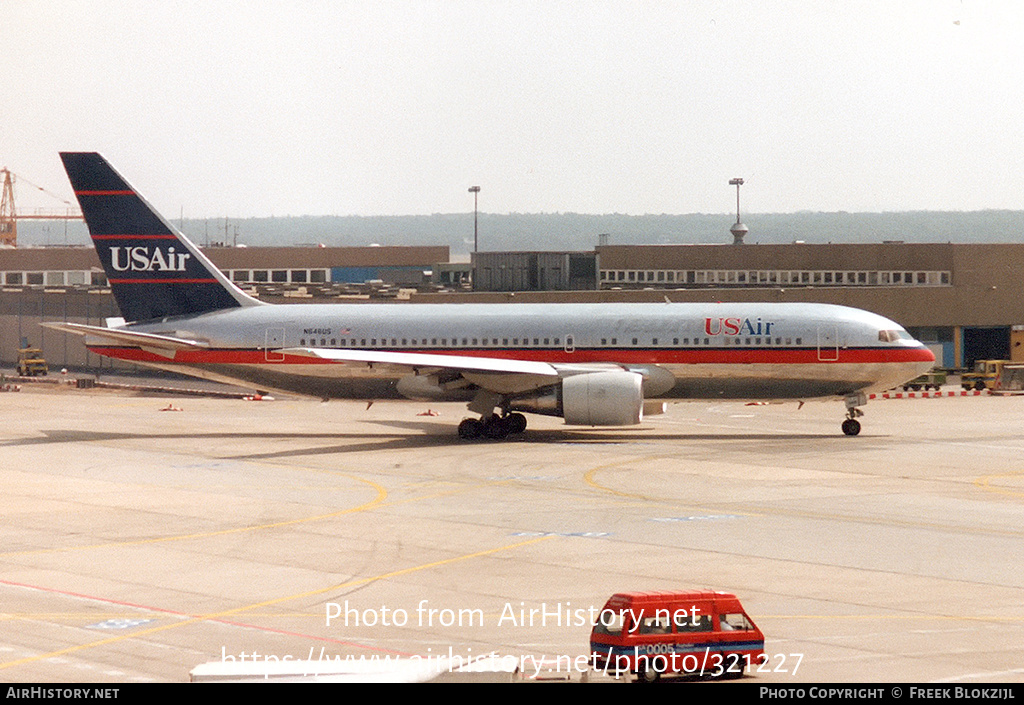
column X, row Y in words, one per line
column 163, row 345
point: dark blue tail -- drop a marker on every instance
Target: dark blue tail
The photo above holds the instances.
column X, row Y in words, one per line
column 154, row 271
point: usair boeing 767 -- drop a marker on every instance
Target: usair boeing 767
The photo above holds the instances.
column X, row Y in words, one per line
column 591, row 364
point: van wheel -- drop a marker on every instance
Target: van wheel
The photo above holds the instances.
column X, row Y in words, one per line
column 647, row 675
column 731, row 668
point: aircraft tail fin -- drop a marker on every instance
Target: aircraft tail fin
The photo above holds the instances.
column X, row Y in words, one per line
column 153, row 270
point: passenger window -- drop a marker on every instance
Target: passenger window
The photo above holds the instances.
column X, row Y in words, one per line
column 609, row 622
column 693, row 622
column 659, row 624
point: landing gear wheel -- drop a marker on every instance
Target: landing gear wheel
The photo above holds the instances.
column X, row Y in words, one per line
column 470, row 428
column 516, row 422
column 851, row 427
column 496, row 427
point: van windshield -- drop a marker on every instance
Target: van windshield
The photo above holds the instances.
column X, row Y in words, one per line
column 735, row 621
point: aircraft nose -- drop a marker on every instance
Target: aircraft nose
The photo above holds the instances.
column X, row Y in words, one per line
column 925, row 360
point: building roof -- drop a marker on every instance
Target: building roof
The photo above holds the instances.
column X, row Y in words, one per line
column 73, row 258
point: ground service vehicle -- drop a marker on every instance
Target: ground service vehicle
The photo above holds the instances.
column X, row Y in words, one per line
column 930, row 380
column 31, row 361
column 985, row 375
column 698, row 632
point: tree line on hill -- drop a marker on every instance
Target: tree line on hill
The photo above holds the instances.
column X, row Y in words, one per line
column 571, row 231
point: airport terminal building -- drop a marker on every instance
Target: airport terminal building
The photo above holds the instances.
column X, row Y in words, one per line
column 962, row 300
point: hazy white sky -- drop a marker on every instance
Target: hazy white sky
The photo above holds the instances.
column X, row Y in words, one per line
column 380, row 107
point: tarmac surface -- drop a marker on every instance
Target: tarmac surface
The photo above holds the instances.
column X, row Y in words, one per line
column 143, row 535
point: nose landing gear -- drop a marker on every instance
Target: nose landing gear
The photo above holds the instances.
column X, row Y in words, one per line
column 851, row 426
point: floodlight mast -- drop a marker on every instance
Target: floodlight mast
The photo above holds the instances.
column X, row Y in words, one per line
column 739, row 230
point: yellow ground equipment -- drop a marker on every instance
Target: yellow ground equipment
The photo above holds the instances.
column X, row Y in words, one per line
column 985, row 375
column 31, row 361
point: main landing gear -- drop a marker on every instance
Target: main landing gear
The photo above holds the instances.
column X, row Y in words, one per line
column 493, row 426
column 495, row 421
column 851, row 426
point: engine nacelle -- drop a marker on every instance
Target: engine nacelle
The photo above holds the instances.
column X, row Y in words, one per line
column 603, row 399
column 613, row 398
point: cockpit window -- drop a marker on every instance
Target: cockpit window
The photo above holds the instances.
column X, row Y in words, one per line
column 891, row 336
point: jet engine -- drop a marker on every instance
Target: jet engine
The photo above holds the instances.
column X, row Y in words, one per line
column 612, row 398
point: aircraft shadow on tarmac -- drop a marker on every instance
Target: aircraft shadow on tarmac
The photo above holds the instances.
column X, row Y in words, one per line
column 430, row 434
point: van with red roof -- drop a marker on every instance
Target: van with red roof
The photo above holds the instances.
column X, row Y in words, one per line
column 699, row 632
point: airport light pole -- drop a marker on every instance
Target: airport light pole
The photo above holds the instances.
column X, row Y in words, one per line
column 475, row 190
column 739, row 229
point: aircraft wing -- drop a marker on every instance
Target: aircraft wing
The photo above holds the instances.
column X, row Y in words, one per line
column 496, row 374
column 162, row 345
column 428, row 361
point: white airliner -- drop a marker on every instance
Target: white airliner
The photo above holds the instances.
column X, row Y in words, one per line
column 592, row 364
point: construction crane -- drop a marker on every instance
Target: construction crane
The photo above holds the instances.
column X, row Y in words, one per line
column 9, row 216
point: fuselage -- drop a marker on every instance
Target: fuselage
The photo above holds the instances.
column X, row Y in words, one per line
column 686, row 350
column 590, row 364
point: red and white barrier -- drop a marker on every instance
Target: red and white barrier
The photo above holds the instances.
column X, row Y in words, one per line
column 929, row 395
